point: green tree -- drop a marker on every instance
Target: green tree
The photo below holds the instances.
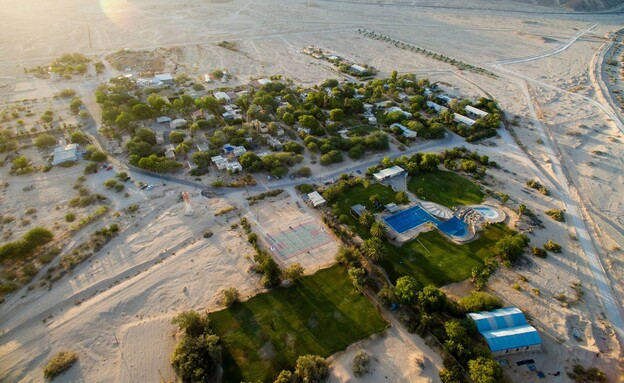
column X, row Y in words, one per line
column 44, row 141
column 521, row 209
column 406, row 290
column 485, row 370
column 74, row 105
column 192, row 323
column 311, row 369
column 294, row 272
column 511, row 247
column 124, row 119
column 479, row 301
column 374, row 249
column 78, row 138
column 401, row 197
column 176, row 137
column 431, row 299
column 284, row 377
column 357, row 275
column 336, row 115
column 157, row 103
column 196, row 359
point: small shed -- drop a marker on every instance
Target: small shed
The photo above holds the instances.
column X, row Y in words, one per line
column 358, row 209
column 388, row 173
column 316, row 199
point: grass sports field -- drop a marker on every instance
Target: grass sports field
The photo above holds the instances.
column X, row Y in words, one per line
column 443, row 261
column 446, row 188
column 321, row 315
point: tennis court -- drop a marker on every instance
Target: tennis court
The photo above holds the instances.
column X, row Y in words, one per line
column 409, row 219
column 298, row 239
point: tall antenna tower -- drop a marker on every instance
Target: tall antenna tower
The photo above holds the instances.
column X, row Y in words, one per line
column 188, row 209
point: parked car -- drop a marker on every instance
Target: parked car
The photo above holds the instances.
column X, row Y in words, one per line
column 150, row 187
column 109, row 167
column 127, row 179
column 144, row 186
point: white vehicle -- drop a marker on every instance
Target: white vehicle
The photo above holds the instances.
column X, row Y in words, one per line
column 149, row 187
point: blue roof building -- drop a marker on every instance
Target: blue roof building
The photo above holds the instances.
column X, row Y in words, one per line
column 506, row 331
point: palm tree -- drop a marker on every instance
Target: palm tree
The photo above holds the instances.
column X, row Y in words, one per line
column 378, row 229
column 374, row 249
column 521, row 209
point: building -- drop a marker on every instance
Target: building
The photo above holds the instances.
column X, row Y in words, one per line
column 407, row 132
column 236, row 151
column 397, row 109
column 372, row 120
column 460, row 119
column 222, row 96
column 389, row 173
column 163, row 119
column 223, row 164
column 178, row 122
column 160, row 138
column 170, row 152
column 475, row 112
column 358, row 210
column 316, row 199
column 438, row 108
column 164, row 78
column 65, row 153
column 506, row 331
column 358, row 68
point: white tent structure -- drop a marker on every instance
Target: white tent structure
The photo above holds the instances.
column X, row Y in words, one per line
column 388, row 173
column 316, row 199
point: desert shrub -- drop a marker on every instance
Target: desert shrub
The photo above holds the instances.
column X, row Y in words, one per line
column 480, row 301
column 552, row 246
column 119, row 188
column 539, row 252
column 581, row 375
column 361, row 362
column 7, row 287
column 27, row 245
column 133, row 208
column 229, row 296
column 556, row 214
column 70, row 217
column 90, row 168
column 284, row 377
column 294, row 272
column 208, row 234
column 110, row 183
column 60, row 363
column 305, row 188
column 196, row 359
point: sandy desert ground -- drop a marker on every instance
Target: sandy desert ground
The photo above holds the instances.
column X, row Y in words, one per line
column 160, row 264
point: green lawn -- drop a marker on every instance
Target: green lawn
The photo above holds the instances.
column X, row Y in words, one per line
column 444, row 262
column 446, row 188
column 321, row 315
column 360, row 195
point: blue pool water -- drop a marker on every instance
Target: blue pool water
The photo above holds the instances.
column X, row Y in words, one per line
column 486, row 212
column 415, row 216
column 409, row 219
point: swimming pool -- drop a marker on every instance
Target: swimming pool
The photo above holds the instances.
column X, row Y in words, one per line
column 490, row 213
column 415, row 216
column 408, row 219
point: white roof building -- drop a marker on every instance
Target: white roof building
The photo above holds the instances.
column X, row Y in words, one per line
column 178, row 122
column 388, row 173
column 407, row 132
column 264, row 81
column 475, row 111
column 160, row 138
column 234, row 150
column 463, row 119
column 372, row 120
column 222, row 96
column 438, row 108
column 65, row 153
column 398, row 109
column 358, row 68
column 163, row 119
column 164, row 78
column 316, row 199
